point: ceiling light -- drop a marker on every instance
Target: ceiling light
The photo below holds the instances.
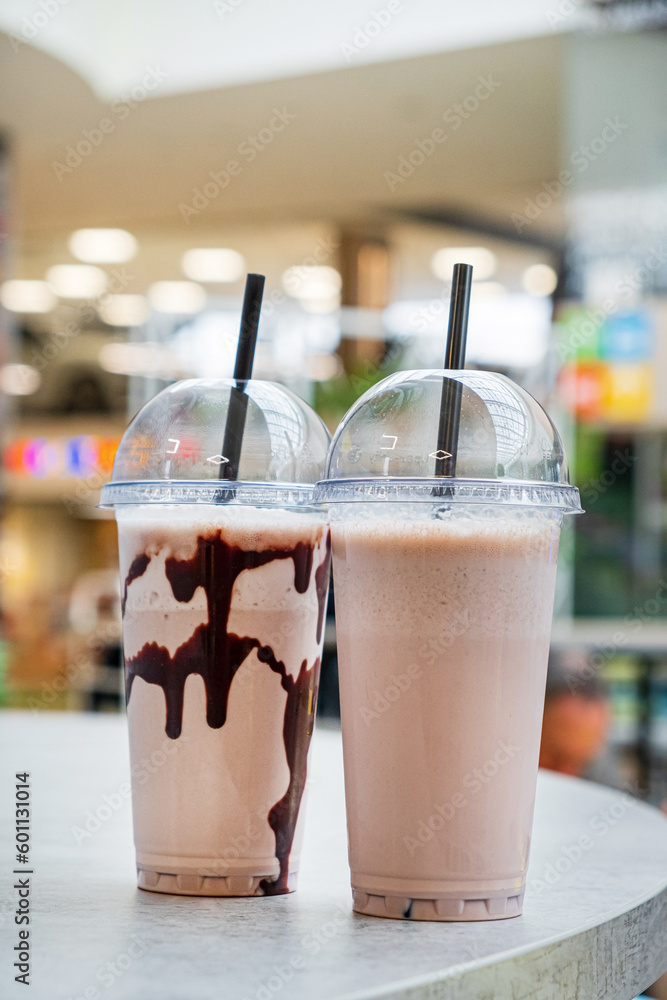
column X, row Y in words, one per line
column 314, row 283
column 103, row 246
column 327, row 305
column 322, row 367
column 540, row 279
column 483, row 262
column 150, row 359
column 213, row 265
column 77, row 281
column 27, row 296
column 488, row 288
column 19, row 380
column 177, row 296
column 509, row 332
column 124, row 310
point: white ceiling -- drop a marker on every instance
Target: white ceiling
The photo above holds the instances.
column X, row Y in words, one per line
column 207, row 44
column 350, row 128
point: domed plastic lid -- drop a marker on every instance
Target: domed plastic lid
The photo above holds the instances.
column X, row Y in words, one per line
column 171, row 452
column 386, row 447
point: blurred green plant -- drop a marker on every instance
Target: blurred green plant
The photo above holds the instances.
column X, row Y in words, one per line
column 335, row 397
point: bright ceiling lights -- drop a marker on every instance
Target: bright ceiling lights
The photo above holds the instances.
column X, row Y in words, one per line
column 103, row 246
column 213, row 265
column 312, row 284
column 27, row 296
column 322, row 367
column 19, row 380
column 124, row 310
column 483, row 262
column 150, row 359
column 77, row 281
column 486, row 288
column 178, row 297
column 540, row 279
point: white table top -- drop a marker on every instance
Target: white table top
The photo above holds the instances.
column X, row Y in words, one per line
column 596, row 929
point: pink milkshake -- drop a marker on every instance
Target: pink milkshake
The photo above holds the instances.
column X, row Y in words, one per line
column 222, row 640
column 224, row 589
column 443, row 637
column 444, row 598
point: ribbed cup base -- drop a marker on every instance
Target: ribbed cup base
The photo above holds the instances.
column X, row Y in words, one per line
column 405, row 908
column 189, row 884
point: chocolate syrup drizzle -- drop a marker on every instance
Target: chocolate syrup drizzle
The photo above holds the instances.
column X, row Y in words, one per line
column 217, row 654
column 322, row 588
column 137, row 569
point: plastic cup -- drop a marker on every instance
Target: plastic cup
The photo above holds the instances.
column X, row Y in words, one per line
column 224, row 588
column 444, row 599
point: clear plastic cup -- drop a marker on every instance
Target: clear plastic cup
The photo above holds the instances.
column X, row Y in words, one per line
column 444, row 599
column 224, row 589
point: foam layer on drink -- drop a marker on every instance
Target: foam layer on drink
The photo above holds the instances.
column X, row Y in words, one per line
column 223, row 620
column 443, row 628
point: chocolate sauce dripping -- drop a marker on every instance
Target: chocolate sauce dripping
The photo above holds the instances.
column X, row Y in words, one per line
column 210, row 651
column 322, row 588
column 297, row 731
column 137, row 569
column 216, row 655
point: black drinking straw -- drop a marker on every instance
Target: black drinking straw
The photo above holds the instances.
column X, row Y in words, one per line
column 245, row 355
column 455, row 358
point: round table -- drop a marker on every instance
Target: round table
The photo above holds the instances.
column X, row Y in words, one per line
column 594, row 922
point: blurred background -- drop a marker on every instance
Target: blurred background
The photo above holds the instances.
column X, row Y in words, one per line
column 151, row 153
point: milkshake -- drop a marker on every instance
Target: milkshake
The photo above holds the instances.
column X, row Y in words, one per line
column 223, row 617
column 224, row 590
column 444, row 597
column 443, row 638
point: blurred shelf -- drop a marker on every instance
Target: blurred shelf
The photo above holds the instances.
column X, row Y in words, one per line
column 623, row 634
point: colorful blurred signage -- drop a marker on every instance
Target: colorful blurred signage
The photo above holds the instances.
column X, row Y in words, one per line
column 607, row 373
column 581, row 389
column 627, row 392
column 627, row 337
column 61, row 457
column 619, row 394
